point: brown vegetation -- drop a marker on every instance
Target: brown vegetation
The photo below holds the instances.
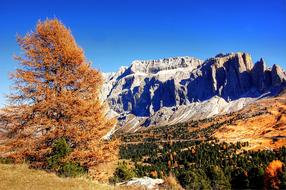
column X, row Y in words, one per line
column 171, row 183
column 262, row 124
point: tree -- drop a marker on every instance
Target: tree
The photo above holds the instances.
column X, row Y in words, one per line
column 272, row 174
column 56, row 95
column 256, row 178
column 194, row 179
column 240, row 179
column 218, row 178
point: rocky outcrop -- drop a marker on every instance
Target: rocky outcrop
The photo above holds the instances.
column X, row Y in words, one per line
column 261, row 76
column 278, row 77
column 146, row 86
column 143, row 182
column 156, row 91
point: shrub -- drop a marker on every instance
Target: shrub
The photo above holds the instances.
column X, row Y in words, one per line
column 4, row 160
column 60, row 149
column 122, row 173
column 172, row 183
column 70, row 169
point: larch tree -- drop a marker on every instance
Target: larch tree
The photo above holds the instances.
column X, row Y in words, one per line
column 271, row 175
column 56, row 95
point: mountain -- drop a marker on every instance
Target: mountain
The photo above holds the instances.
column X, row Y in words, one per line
column 175, row 90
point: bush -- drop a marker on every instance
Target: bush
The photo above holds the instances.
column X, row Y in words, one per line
column 172, row 182
column 70, row 169
column 122, row 173
column 4, row 160
column 61, row 149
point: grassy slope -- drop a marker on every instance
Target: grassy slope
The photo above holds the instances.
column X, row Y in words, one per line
column 20, row 177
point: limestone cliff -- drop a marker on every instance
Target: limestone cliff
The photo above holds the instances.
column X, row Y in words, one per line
column 178, row 89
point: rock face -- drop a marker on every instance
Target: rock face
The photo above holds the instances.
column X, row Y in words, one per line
column 278, row 77
column 161, row 91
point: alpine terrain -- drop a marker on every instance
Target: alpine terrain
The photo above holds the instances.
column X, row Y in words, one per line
column 175, row 90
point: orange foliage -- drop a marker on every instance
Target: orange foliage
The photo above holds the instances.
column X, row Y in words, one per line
column 154, row 174
column 271, row 179
column 56, row 95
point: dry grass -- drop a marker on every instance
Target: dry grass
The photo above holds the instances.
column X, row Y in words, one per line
column 103, row 171
column 259, row 130
column 172, row 183
column 20, row 177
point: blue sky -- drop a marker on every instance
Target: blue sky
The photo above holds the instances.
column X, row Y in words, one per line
column 113, row 33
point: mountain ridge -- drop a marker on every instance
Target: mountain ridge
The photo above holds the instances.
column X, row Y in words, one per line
column 155, row 91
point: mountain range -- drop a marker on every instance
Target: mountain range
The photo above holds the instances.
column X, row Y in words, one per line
column 174, row 90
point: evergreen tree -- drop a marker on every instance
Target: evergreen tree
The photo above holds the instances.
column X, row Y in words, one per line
column 240, row 179
column 194, row 179
column 218, row 179
column 256, row 178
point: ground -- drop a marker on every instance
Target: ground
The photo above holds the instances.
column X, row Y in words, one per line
column 20, row 177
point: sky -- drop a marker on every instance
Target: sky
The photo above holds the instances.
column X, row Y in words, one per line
column 116, row 32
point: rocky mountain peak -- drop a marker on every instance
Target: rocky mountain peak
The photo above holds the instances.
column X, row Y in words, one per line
column 155, row 66
column 260, row 75
column 186, row 87
column 240, row 60
column 278, row 76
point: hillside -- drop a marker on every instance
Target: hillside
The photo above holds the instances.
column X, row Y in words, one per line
column 261, row 123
